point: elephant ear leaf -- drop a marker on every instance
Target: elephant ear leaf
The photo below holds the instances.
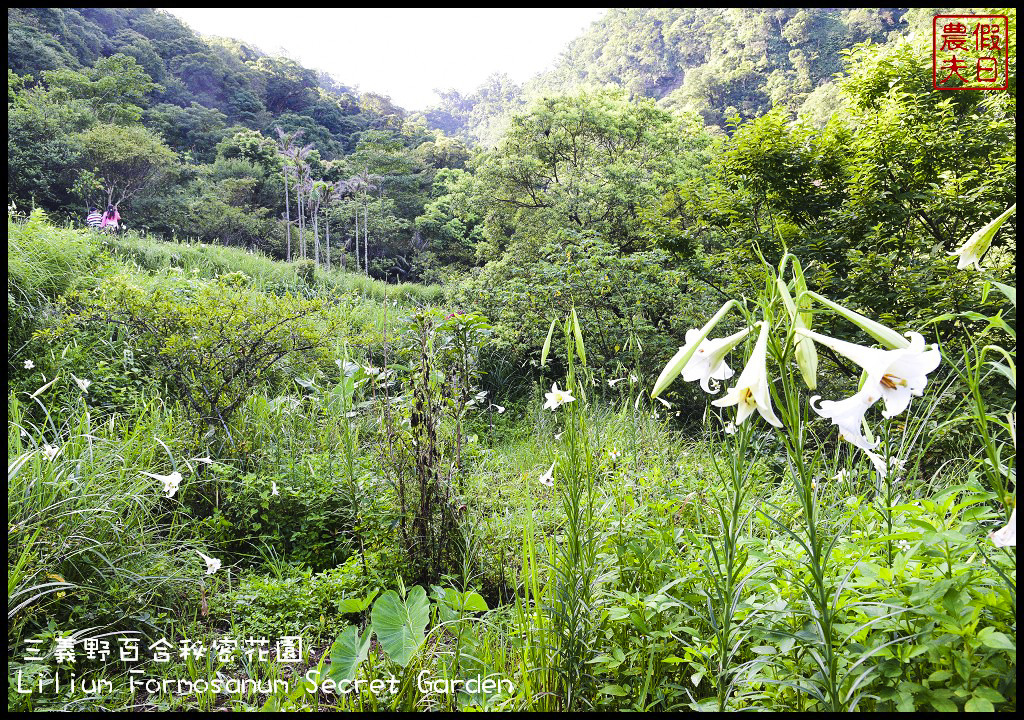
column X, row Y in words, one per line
column 401, row 625
column 348, row 651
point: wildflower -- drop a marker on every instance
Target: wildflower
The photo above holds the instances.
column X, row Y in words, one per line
column 498, row 408
column 616, row 381
column 29, row 364
column 903, row 545
column 548, row 478
column 971, row 251
column 751, row 389
column 557, row 398
column 614, row 454
column 841, row 476
column 847, row 415
column 559, row 435
column 730, row 428
column 893, row 375
column 273, row 488
column 171, row 482
column 708, row 361
column 51, row 451
column 82, row 384
column 212, row 564
column 1007, row 536
column 371, row 370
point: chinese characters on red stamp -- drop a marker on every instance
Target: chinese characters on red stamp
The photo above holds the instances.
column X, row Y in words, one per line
column 970, row 52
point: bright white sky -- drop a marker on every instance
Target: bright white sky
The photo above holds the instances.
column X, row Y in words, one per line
column 404, row 53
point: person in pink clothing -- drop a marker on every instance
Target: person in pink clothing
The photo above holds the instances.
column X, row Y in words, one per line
column 111, row 219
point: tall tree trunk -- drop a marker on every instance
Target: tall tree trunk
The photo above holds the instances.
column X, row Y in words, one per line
column 316, row 234
column 287, row 215
column 357, row 236
column 302, row 238
column 327, row 231
column 366, row 237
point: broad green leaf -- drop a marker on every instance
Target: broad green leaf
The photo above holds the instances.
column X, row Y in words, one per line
column 579, row 337
column 356, row 604
column 1008, row 291
column 547, row 344
column 347, row 652
column 996, row 640
column 400, row 625
column 979, row 704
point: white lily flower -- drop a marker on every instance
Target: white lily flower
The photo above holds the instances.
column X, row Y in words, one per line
column 548, row 478
column 730, row 428
column 971, row 251
column 498, row 408
column 708, row 361
column 893, row 375
column 751, row 389
column 273, row 488
column 51, row 451
column 171, row 482
column 82, row 384
column 1007, row 536
column 557, row 398
column 29, row 364
column 616, row 381
column 848, row 415
column 212, row 564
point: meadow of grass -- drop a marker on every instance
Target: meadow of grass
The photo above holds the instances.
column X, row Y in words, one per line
column 364, row 492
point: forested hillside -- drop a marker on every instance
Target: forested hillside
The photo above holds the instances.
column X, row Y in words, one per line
column 719, row 63
column 209, row 127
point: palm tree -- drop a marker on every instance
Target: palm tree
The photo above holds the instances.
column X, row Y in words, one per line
column 285, row 146
column 364, row 183
column 298, row 157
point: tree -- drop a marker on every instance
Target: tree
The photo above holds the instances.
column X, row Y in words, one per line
column 588, row 162
column 124, row 160
column 286, row 146
column 116, row 87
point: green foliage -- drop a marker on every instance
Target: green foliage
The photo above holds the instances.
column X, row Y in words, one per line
column 180, row 327
column 400, row 622
column 125, row 160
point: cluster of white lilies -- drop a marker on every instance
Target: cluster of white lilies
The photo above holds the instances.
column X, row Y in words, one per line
column 893, row 374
